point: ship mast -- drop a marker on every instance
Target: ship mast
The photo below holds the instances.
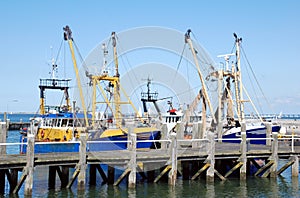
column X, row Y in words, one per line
column 203, row 90
column 53, row 83
column 114, row 83
column 68, row 37
column 238, row 81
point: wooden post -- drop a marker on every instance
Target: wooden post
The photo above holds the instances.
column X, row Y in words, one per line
column 64, row 176
column 13, row 179
column 30, row 162
column 185, row 169
column 82, row 161
column 295, row 166
column 220, row 106
column 2, row 182
column 274, row 157
column 132, row 162
column 196, row 134
column 179, row 131
column 110, row 175
column 243, row 158
column 268, row 133
column 52, row 177
column 3, row 131
column 3, row 134
column 173, row 172
column 164, row 136
column 92, row 181
column 211, row 157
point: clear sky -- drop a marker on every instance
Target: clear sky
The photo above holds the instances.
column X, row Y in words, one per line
column 270, row 31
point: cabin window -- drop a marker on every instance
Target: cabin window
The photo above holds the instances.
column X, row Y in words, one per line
column 70, row 124
column 64, row 122
column 58, row 122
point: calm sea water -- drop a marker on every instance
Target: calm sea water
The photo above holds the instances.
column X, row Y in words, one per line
column 282, row 186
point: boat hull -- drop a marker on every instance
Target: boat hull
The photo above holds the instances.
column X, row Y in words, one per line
column 100, row 144
column 259, row 133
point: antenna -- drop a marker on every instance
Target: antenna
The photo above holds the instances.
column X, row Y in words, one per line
column 226, row 58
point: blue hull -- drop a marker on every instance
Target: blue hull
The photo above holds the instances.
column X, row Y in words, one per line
column 106, row 144
column 255, row 133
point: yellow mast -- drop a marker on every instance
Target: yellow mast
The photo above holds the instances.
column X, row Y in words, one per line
column 68, row 37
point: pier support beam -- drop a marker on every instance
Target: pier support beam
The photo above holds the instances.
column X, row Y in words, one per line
column 3, row 131
column 268, row 133
column 52, row 177
column 173, row 172
column 295, row 167
column 132, row 163
column 110, row 175
column 82, row 162
column 3, row 134
column 243, row 158
column 164, row 136
column 180, row 128
column 197, row 127
column 274, row 157
column 211, row 157
column 30, row 162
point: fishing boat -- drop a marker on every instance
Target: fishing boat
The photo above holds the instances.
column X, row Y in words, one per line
column 58, row 128
column 230, row 125
column 112, row 124
column 226, row 126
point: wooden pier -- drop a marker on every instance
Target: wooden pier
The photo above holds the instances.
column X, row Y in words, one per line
column 191, row 159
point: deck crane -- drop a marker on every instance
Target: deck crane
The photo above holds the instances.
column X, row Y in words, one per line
column 68, row 37
column 202, row 93
column 114, row 88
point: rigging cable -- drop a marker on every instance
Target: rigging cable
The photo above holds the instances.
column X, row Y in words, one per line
column 256, row 78
column 181, row 56
column 132, row 70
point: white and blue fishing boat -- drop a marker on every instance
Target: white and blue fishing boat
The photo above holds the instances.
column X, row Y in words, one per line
column 256, row 127
column 217, row 94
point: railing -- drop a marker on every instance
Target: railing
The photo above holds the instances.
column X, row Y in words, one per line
column 286, row 143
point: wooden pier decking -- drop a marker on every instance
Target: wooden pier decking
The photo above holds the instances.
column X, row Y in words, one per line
column 189, row 158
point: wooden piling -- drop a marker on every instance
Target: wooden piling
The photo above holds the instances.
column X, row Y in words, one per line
column 211, row 157
column 30, row 162
column 196, row 134
column 243, row 157
column 180, row 128
column 51, row 177
column 64, row 176
column 268, row 133
column 274, row 156
column 173, row 172
column 185, row 167
column 12, row 177
column 132, row 163
column 92, row 169
column 2, row 181
column 82, row 162
column 110, row 175
column 164, row 135
column 295, row 166
column 3, row 134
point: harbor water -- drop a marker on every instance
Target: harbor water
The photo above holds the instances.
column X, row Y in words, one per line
column 282, row 186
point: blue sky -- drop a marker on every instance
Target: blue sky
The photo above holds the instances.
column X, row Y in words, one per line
column 270, row 32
